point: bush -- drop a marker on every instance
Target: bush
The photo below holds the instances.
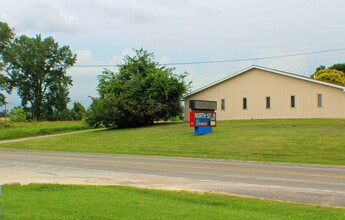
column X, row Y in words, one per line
column 143, row 91
column 5, row 123
column 18, row 114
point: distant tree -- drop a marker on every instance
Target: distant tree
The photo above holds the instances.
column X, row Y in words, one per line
column 37, row 69
column 75, row 114
column 6, row 37
column 338, row 66
column 66, row 115
column 331, row 76
column 4, row 114
column 55, row 106
column 78, row 111
column 19, row 114
column 322, row 67
column 95, row 115
column 334, row 74
column 142, row 92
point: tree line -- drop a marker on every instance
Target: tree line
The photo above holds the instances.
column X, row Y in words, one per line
column 36, row 69
column 140, row 93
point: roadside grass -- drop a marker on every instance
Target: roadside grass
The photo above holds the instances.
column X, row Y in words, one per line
column 29, row 129
column 307, row 141
column 117, row 202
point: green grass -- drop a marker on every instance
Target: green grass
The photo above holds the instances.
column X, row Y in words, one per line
column 312, row 141
column 115, row 202
column 29, row 129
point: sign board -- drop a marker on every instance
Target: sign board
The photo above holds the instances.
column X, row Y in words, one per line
column 202, row 119
column 203, row 105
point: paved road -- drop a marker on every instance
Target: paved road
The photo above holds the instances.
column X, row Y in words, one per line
column 323, row 185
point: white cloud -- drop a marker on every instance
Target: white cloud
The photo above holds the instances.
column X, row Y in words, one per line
column 36, row 16
column 103, row 31
column 163, row 59
column 85, row 57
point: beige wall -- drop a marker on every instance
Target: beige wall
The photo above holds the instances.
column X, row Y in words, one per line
column 257, row 84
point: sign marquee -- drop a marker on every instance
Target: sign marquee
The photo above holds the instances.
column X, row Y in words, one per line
column 203, row 105
column 203, row 116
column 202, row 119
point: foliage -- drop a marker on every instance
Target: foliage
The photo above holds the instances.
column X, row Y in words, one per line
column 5, row 122
column 96, row 113
column 19, row 114
column 331, row 76
column 142, row 92
column 44, row 201
column 322, row 67
column 6, row 37
column 4, row 113
column 334, row 74
column 338, row 66
column 37, row 69
column 78, row 111
column 308, row 141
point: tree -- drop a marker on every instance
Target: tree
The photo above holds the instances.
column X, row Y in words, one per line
column 331, row 76
column 37, row 69
column 338, row 66
column 95, row 115
column 142, row 92
column 334, row 74
column 322, row 67
column 78, row 111
column 19, row 114
column 6, row 37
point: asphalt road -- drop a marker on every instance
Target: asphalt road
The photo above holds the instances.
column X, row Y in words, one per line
column 323, row 185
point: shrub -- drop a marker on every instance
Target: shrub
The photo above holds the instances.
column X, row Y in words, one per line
column 18, row 114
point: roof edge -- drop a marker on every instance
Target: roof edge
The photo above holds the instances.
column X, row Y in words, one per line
column 297, row 76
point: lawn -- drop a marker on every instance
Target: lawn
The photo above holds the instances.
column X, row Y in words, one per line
column 116, row 202
column 308, row 141
column 29, row 129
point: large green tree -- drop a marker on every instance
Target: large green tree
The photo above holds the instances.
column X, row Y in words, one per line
column 6, row 37
column 37, row 69
column 334, row 74
column 142, row 92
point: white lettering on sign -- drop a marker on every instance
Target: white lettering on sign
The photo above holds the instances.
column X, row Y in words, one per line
column 203, row 115
column 203, row 119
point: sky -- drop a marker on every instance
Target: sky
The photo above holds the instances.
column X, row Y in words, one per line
column 102, row 32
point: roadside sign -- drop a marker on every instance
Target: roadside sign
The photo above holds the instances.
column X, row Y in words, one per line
column 202, row 119
column 203, row 116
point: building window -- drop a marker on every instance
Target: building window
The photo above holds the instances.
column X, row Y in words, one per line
column 319, row 100
column 268, row 102
column 222, row 107
column 245, row 103
column 293, row 101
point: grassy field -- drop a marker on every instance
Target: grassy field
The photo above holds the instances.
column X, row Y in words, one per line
column 312, row 141
column 114, row 202
column 29, row 129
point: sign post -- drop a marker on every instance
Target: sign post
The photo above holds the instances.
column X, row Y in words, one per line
column 203, row 116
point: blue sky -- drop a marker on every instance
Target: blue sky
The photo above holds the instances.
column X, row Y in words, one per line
column 103, row 31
